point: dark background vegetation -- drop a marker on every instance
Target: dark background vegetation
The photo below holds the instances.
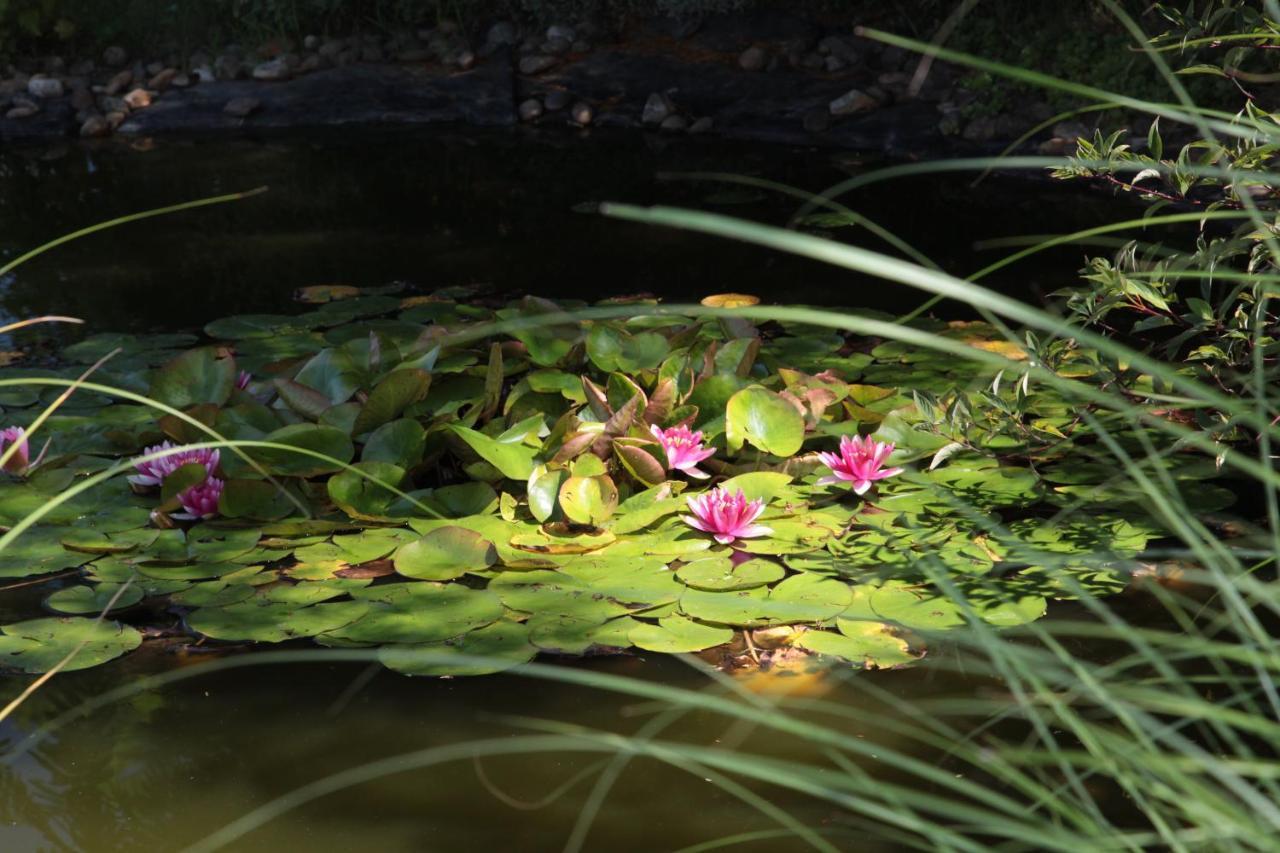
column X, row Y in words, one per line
column 1078, row 39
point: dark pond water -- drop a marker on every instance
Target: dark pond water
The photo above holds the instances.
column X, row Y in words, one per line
column 163, row 768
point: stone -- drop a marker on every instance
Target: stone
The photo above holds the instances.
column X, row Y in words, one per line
column 557, row 46
column 673, row 123
column 833, row 64
column 840, row 47
column 113, row 104
column 115, row 56
column 332, row 49
column 272, row 71
column 138, row 99
column 22, row 111
column 536, row 64
column 204, row 73
column 530, row 109
column 162, row 80
column 41, row 86
column 657, row 109
column 1056, row 147
column 753, row 58
column 116, row 118
column 154, row 68
column 502, row 33
column 82, row 99
column 95, row 126
column 851, row 102
column 1072, row 130
column 817, row 120
column 703, row 125
column 314, row 62
column 562, row 31
column 118, row 82
column 980, row 129
column 582, row 113
column 311, row 42
column 228, row 67
column 181, row 81
column 466, row 60
column 556, row 100
column 241, row 107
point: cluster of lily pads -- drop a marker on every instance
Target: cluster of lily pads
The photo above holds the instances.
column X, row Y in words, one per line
column 489, row 481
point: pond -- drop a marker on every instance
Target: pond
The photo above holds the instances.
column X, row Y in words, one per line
column 195, row 740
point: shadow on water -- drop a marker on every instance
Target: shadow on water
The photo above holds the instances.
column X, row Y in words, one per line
column 501, row 208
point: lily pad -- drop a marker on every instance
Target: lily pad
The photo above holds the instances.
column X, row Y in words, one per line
column 38, row 645
column 93, row 599
column 676, row 634
column 444, row 554
column 497, row 647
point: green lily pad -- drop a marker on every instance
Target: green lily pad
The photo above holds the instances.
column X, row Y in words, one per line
column 38, row 645
column 719, row 573
column 273, row 623
column 93, row 599
column 444, row 554
column 495, row 648
column 869, row 645
column 424, row 613
column 676, row 634
column 762, row 419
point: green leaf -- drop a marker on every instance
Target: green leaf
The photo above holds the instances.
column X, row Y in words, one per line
column 544, row 492
column 333, row 446
column 272, row 622
column 762, row 485
column 332, row 373
column 445, row 553
column 761, row 418
column 197, row 376
column 93, row 600
column 399, row 390
column 181, row 479
column 589, row 500
column 494, row 648
column 515, row 461
column 302, row 399
column 421, row 613
column 257, row 499
column 719, row 573
column 361, row 497
column 676, row 634
column 400, row 442
column 869, row 645
column 39, row 645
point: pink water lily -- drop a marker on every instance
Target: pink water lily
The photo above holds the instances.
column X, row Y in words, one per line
column 726, row 516
column 20, row 460
column 152, row 472
column 200, row 501
column 684, row 449
column 860, row 462
column 243, row 379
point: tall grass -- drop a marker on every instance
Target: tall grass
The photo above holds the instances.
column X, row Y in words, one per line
column 1097, row 731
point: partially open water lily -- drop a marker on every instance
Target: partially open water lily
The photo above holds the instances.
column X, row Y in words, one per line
column 860, row 462
column 152, row 472
column 726, row 515
column 684, row 449
column 20, row 460
column 200, row 501
column 243, row 379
